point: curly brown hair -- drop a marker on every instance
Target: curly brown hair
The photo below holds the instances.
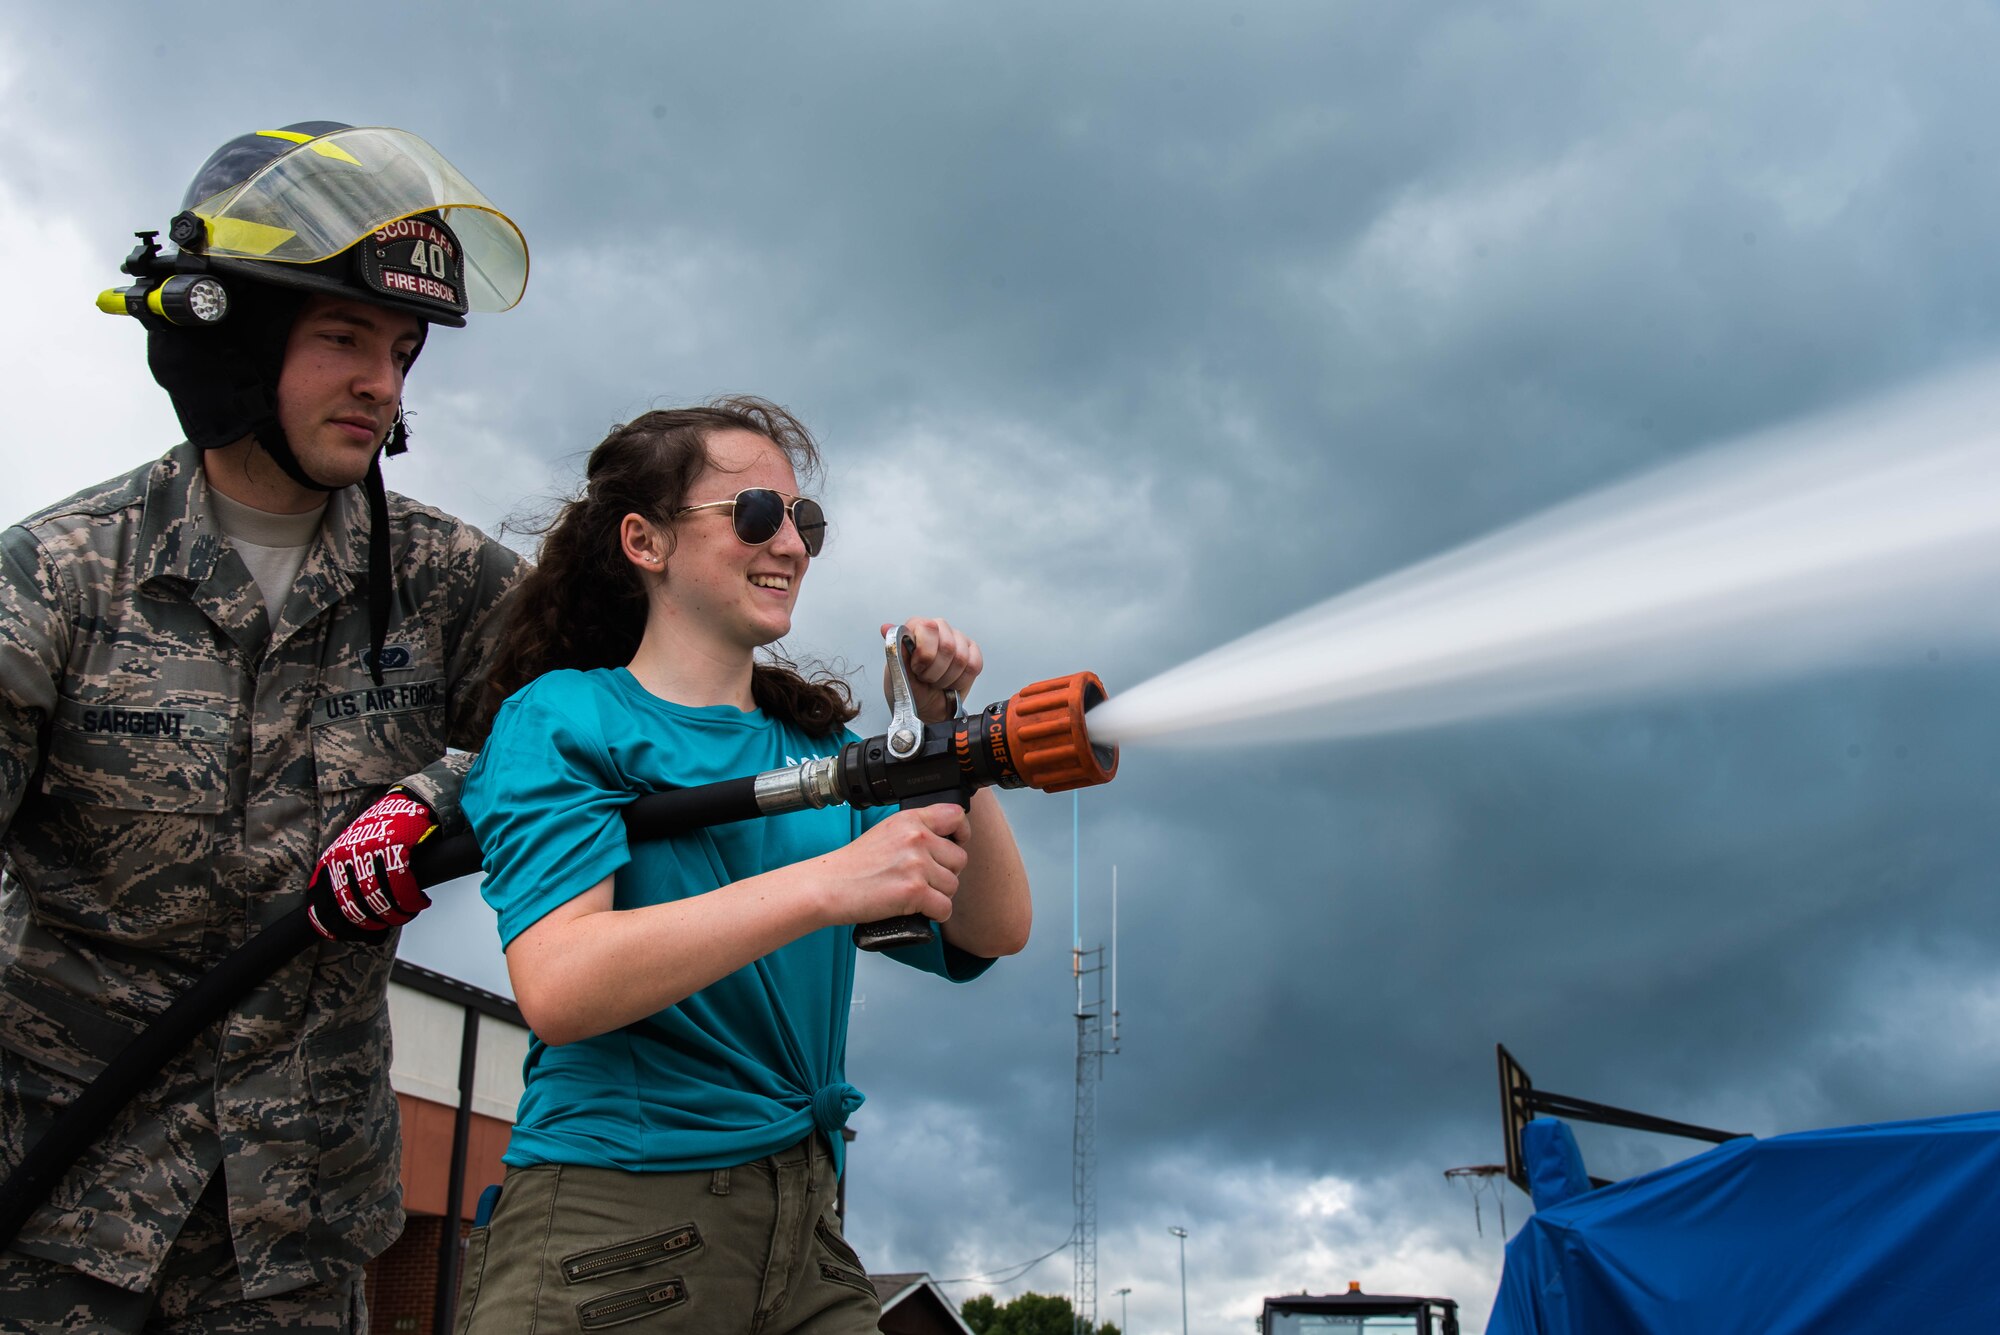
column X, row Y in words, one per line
column 583, row 605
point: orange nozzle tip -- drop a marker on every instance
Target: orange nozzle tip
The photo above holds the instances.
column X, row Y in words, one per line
column 1047, row 740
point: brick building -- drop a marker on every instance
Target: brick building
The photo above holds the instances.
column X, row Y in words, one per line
column 457, row 1076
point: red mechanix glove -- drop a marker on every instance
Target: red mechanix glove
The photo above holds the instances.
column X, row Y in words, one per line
column 363, row 884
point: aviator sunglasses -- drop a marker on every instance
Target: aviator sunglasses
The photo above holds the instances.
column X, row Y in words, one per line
column 757, row 513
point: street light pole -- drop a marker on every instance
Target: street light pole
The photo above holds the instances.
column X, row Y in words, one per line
column 1124, row 1321
column 1181, row 1233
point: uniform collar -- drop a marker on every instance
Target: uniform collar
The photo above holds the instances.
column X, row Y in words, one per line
column 179, row 538
column 180, row 543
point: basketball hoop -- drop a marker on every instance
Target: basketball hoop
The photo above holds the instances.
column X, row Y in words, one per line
column 1480, row 1179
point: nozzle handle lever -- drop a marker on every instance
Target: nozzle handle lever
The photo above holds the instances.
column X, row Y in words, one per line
column 906, row 730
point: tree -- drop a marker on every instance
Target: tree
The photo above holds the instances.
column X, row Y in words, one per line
column 1029, row 1314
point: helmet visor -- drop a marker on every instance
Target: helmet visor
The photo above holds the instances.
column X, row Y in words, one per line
column 319, row 199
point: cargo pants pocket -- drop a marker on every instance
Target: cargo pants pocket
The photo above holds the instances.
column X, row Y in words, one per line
column 840, row 1265
column 615, row 1309
column 630, row 1304
column 473, row 1270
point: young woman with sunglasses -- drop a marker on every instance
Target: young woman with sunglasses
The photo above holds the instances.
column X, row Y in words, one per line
column 679, row 1138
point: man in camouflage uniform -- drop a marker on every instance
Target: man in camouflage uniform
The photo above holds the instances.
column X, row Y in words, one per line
column 188, row 715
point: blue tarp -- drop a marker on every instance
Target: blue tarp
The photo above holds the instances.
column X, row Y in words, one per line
column 1887, row 1228
column 1555, row 1164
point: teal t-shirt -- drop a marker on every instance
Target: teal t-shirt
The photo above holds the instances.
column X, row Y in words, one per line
column 750, row 1064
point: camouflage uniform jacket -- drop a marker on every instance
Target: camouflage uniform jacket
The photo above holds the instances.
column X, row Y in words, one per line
column 172, row 758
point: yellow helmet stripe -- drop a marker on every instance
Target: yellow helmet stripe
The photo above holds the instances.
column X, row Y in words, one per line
column 319, row 146
column 241, row 236
column 326, row 150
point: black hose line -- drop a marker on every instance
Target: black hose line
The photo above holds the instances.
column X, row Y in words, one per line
column 654, row 816
column 80, row 1124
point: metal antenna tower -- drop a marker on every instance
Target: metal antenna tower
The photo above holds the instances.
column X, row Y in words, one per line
column 1093, row 1045
column 1088, row 965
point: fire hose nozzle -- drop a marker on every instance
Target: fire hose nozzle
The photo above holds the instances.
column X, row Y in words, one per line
column 1048, row 741
column 1036, row 738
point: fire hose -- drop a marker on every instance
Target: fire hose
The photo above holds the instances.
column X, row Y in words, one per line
column 1036, row 738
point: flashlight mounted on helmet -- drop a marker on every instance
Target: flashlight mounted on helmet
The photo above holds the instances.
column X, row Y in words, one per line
column 168, row 291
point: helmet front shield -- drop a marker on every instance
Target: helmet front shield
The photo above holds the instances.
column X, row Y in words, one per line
column 331, row 192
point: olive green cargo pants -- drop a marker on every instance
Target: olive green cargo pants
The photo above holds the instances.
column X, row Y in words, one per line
column 756, row 1249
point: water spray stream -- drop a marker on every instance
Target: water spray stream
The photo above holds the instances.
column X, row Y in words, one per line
column 1867, row 536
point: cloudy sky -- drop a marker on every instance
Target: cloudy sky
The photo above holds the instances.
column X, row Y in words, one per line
column 1129, row 329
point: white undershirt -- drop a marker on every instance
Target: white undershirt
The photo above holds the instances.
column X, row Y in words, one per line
column 273, row 546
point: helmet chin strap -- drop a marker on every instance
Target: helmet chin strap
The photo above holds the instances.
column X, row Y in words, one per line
column 381, row 581
column 381, row 584
column 272, row 437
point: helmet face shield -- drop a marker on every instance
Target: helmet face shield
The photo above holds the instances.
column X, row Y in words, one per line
column 343, row 188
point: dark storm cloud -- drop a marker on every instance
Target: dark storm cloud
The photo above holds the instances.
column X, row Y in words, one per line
column 1131, row 328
